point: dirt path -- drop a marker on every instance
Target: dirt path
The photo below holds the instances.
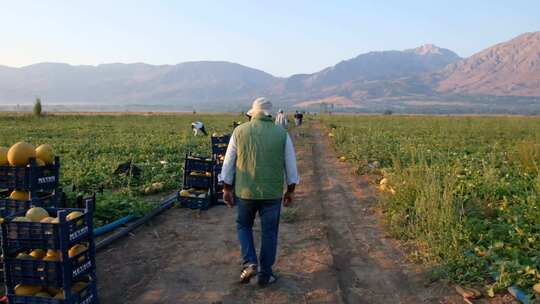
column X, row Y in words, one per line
column 331, row 249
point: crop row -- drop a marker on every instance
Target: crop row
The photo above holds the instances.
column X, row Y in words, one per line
column 464, row 191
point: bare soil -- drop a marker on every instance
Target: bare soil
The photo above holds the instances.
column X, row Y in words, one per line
column 332, row 249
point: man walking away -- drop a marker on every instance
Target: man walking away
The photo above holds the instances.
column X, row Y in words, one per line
column 260, row 158
column 281, row 119
column 198, row 127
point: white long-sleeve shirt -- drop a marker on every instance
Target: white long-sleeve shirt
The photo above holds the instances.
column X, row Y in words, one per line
column 229, row 163
column 281, row 120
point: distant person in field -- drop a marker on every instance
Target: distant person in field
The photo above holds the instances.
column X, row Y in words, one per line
column 259, row 160
column 198, row 127
column 298, row 117
column 281, row 119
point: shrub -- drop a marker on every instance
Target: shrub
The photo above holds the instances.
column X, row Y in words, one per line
column 37, row 107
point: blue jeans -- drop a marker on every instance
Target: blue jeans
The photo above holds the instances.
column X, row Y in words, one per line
column 269, row 211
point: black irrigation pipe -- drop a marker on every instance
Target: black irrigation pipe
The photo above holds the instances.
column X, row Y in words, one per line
column 165, row 204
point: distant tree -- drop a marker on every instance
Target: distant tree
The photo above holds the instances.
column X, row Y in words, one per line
column 37, row 107
column 388, row 112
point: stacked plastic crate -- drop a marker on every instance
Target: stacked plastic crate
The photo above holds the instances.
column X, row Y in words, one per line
column 22, row 187
column 219, row 147
column 197, row 188
column 51, row 260
column 26, row 186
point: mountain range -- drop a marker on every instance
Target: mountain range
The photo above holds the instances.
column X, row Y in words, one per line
column 510, row 68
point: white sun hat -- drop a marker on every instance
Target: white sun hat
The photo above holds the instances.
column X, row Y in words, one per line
column 260, row 104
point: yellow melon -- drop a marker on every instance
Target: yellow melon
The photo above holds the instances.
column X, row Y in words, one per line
column 53, row 290
column 40, row 163
column 3, row 156
column 21, row 219
column 60, row 295
column 185, row 193
column 53, row 253
column 47, row 220
column 36, row 214
column 45, row 152
column 78, row 286
column 51, row 258
column 42, row 294
column 20, row 153
column 73, row 215
column 37, row 254
column 18, row 195
column 26, row 290
column 75, row 250
column 24, row 256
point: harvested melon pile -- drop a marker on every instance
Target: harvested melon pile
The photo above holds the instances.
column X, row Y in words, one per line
column 199, row 173
column 40, row 215
column 195, row 193
column 20, row 154
column 48, row 292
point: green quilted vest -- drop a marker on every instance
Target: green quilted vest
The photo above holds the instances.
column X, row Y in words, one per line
column 260, row 162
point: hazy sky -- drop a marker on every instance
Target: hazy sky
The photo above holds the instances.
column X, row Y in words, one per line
column 279, row 37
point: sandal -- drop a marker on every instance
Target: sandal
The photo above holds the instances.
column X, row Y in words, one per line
column 267, row 280
column 247, row 273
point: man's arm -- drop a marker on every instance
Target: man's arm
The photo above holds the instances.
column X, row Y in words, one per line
column 228, row 171
column 291, row 171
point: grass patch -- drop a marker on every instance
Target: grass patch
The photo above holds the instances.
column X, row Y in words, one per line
column 290, row 214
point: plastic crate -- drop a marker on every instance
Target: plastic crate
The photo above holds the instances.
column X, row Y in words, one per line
column 198, row 181
column 218, row 199
column 48, row 273
column 32, row 177
column 29, row 235
column 221, row 139
column 217, row 190
column 194, row 202
column 219, row 144
column 88, row 295
column 198, row 163
column 42, row 199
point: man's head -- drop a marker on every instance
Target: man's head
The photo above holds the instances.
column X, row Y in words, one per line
column 259, row 105
column 280, row 111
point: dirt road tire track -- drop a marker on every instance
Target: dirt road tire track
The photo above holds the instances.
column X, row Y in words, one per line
column 371, row 268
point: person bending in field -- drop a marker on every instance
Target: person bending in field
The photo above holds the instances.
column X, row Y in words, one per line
column 259, row 160
column 298, row 117
column 198, row 127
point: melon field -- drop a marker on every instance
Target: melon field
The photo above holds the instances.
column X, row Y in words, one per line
column 463, row 192
column 92, row 146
